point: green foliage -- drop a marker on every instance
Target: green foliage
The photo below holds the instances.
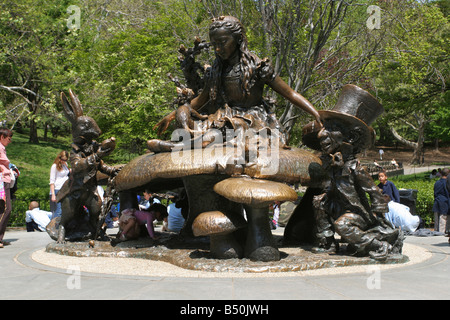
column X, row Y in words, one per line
column 412, row 70
column 439, row 127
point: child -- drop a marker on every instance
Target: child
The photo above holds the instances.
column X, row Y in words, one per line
column 131, row 220
column 388, row 187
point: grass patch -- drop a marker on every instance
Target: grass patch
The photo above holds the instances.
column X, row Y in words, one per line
column 33, row 160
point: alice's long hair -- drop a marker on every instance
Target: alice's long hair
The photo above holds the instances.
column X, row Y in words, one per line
column 248, row 61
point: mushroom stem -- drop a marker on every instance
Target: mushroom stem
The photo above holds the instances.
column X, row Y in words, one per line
column 221, row 231
column 260, row 245
column 225, row 246
column 202, row 198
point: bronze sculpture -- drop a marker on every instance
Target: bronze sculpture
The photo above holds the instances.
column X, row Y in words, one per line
column 229, row 192
column 342, row 205
column 85, row 160
column 231, row 100
column 233, row 92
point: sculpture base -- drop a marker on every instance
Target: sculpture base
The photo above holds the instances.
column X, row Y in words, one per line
column 194, row 254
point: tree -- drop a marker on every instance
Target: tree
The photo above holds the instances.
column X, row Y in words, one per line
column 124, row 52
column 31, row 44
column 412, row 71
column 317, row 46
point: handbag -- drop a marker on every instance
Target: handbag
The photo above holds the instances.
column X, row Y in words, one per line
column 13, row 179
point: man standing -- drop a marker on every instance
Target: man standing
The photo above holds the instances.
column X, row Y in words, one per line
column 5, row 139
column 441, row 204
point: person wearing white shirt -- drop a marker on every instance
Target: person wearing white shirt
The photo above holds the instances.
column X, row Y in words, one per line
column 175, row 220
column 59, row 173
column 400, row 216
column 41, row 218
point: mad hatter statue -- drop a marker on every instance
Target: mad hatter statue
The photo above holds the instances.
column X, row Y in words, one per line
column 343, row 206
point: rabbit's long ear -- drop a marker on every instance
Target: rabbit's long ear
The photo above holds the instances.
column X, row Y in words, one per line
column 68, row 109
column 76, row 104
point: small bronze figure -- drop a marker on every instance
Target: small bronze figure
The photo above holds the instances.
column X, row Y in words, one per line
column 343, row 207
column 85, row 160
column 233, row 91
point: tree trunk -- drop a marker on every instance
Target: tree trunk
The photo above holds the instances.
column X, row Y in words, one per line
column 417, row 146
column 33, row 138
column 419, row 150
column 34, row 106
column 436, row 145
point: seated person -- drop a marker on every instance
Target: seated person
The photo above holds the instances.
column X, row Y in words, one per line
column 433, row 174
column 112, row 218
column 175, row 220
column 395, row 164
column 131, row 220
column 148, row 200
column 400, row 217
column 377, row 165
column 37, row 219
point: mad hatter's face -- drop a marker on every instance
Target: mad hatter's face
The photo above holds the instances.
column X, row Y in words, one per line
column 330, row 141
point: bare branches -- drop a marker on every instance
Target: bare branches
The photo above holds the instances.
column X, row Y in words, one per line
column 15, row 90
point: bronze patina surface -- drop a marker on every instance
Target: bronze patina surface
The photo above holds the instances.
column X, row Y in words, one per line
column 195, row 255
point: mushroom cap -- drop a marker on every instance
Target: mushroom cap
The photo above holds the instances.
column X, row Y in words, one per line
column 293, row 166
column 214, row 223
column 254, row 191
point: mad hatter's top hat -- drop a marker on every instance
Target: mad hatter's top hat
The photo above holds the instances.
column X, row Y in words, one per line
column 355, row 108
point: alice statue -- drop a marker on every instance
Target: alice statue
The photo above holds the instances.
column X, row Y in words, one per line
column 233, row 94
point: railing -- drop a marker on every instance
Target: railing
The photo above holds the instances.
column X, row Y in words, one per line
column 390, row 168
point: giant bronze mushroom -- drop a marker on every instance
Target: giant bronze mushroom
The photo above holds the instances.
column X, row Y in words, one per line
column 256, row 196
column 199, row 170
column 220, row 229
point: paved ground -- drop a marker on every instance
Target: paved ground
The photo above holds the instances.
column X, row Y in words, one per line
column 427, row 276
column 21, row 277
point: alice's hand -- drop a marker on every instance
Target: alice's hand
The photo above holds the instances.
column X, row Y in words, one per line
column 319, row 121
